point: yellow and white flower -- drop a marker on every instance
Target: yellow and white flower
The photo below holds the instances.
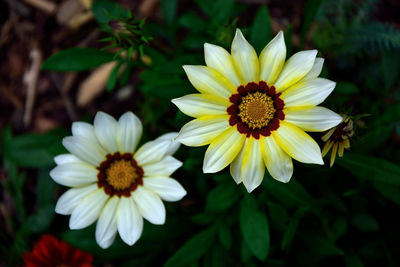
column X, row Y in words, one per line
column 253, row 111
column 113, row 184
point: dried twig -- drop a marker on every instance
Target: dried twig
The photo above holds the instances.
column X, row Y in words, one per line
column 43, row 5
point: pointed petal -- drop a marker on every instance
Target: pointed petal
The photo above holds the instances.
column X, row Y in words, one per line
column 245, row 59
column 223, row 150
column 84, row 149
column 129, row 132
column 88, row 210
column 279, row 164
column 297, row 143
column 173, row 146
column 253, row 167
column 315, row 70
column 219, row 59
column 105, row 127
column 236, row 165
column 198, row 105
column 106, row 228
column 167, row 188
column 68, row 201
column 208, row 81
column 203, row 131
column 74, row 174
column 315, row 119
column 83, row 129
column 154, row 151
column 295, row 69
column 309, row 93
column 149, row 205
column 67, row 158
column 272, row 59
column 130, row 222
column 164, row 167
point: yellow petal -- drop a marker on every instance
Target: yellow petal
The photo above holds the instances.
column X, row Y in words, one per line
column 198, row 105
column 272, row 59
column 253, row 167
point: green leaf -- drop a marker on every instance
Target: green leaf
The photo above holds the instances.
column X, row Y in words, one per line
column 371, row 168
column 288, row 40
column 225, row 237
column 222, row 197
column 260, row 32
column 193, row 249
column 77, row 59
column 112, row 78
column 40, row 221
column 289, row 234
column 169, row 8
column 254, row 227
column 346, row 88
column 191, row 21
column 389, row 191
column 221, row 11
column 104, row 11
column 365, row 222
column 45, row 188
column 312, row 7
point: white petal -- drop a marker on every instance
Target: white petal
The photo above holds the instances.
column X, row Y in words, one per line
column 223, row 150
column 105, row 127
column 88, row 210
column 279, row 164
column 167, row 188
column 219, row 59
column 164, row 167
column 198, row 105
column 149, row 205
column 253, row 167
column 74, row 174
column 68, row 201
column 297, row 143
column 295, row 69
column 272, row 59
column 130, row 222
column 83, row 129
column 106, row 228
column 84, row 149
column 67, row 158
column 154, row 151
column 203, row 131
column 309, row 93
column 174, row 145
column 245, row 59
column 129, row 132
column 315, row 119
column 208, row 81
column 236, row 165
column 315, row 70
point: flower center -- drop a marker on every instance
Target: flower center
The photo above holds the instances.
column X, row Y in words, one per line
column 119, row 174
column 256, row 110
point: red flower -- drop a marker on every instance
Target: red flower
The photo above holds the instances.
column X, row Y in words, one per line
column 50, row 252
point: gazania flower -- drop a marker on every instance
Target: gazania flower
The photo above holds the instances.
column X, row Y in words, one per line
column 253, row 111
column 113, row 183
column 49, row 252
column 338, row 138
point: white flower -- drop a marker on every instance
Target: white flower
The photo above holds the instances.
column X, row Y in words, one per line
column 112, row 184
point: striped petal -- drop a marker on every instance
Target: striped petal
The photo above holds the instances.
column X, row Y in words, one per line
column 315, row 119
column 223, row 150
column 68, row 201
column 203, row 130
column 245, row 59
column 129, row 132
column 67, row 158
column 153, row 151
column 277, row 161
column 83, row 129
column 295, row 69
column 315, row 70
column 198, row 105
column 130, row 222
column 167, row 188
column 253, row 167
column 272, row 59
column 149, row 205
column 85, row 149
column 106, row 228
column 105, row 127
column 165, row 167
column 74, row 174
column 309, row 93
column 173, row 146
column 297, row 143
column 236, row 165
column 219, row 59
column 208, row 81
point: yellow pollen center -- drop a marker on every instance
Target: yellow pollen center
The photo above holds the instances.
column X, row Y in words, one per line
column 256, row 110
column 121, row 174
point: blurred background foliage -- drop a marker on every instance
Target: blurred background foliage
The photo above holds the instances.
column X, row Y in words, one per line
column 343, row 216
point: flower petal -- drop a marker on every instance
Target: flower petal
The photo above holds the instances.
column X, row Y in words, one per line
column 67, row 158
column 154, row 151
column 245, row 59
column 309, row 93
column 167, row 188
column 105, row 127
column 295, row 69
column 253, row 167
column 68, row 201
column 174, row 145
column 279, row 164
column 130, row 222
column 164, row 167
column 315, row 70
column 129, row 132
column 219, row 59
column 149, row 205
column 106, row 228
column 74, row 174
column 83, row 129
column 272, row 59
column 203, row 130
column 236, row 165
column 208, row 81
column 297, row 143
column 198, row 105
column 223, row 150
column 315, row 119
column 88, row 210
column 84, row 149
